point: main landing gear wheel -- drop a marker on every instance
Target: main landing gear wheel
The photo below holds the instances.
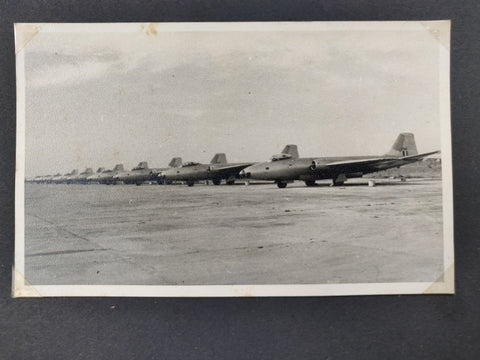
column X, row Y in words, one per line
column 339, row 180
column 216, row 181
column 310, row 182
column 281, row 184
column 190, row 183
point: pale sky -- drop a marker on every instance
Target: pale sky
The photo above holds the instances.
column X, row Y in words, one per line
column 100, row 98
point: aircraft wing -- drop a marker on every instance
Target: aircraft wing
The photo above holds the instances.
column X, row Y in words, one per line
column 228, row 169
column 372, row 164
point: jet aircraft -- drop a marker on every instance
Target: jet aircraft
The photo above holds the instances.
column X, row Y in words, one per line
column 80, row 178
column 217, row 170
column 42, row 179
column 288, row 166
column 37, row 179
column 64, row 178
column 94, row 177
column 54, row 179
column 45, row 179
column 141, row 173
column 106, row 176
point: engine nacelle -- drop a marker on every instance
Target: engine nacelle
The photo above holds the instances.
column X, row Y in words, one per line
column 316, row 165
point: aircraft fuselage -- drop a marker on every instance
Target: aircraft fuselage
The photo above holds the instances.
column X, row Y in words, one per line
column 297, row 169
column 79, row 179
column 191, row 172
column 136, row 176
column 187, row 173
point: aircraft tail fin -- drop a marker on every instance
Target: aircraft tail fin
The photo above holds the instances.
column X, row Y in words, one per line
column 175, row 162
column 291, row 150
column 100, row 169
column 118, row 167
column 403, row 146
column 142, row 165
column 219, row 158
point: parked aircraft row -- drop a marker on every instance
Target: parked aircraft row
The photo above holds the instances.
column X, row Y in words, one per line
column 283, row 168
column 138, row 175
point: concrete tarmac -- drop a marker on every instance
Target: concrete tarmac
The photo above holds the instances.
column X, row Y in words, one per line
column 257, row 234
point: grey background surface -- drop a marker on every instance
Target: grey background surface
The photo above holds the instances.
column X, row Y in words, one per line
column 440, row 327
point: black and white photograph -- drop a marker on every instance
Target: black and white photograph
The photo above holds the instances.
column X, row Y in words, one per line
column 233, row 159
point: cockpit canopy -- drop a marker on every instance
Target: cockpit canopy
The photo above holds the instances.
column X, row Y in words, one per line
column 190, row 163
column 278, row 157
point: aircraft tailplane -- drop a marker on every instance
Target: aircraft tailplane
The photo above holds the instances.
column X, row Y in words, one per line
column 403, row 146
column 175, row 162
column 291, row 150
column 219, row 158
